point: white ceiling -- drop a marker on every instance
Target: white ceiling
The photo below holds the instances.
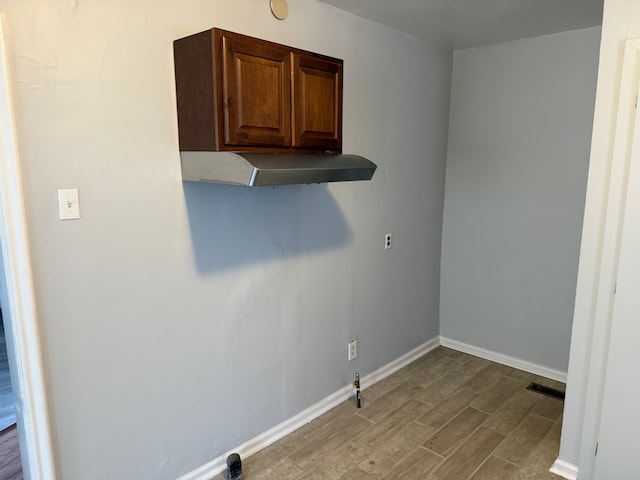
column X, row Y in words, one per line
column 470, row 23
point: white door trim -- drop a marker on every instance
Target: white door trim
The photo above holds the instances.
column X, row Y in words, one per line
column 31, row 402
column 626, row 129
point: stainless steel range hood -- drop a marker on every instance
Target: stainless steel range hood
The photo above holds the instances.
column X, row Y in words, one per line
column 254, row 169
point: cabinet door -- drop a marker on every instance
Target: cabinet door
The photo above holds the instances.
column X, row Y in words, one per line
column 256, row 92
column 317, row 102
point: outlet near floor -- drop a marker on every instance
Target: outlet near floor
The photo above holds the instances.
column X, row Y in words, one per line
column 353, row 349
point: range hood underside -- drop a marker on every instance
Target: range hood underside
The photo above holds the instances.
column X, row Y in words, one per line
column 254, row 169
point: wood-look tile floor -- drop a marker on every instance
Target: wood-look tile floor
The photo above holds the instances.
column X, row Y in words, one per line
column 10, row 465
column 446, row 416
column 7, row 398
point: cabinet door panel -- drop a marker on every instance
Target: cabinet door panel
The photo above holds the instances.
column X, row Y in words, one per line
column 256, row 86
column 317, row 103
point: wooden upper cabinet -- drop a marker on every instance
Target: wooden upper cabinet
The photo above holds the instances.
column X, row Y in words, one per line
column 317, row 102
column 240, row 93
column 256, row 92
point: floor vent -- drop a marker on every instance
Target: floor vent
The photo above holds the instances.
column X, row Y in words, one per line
column 548, row 391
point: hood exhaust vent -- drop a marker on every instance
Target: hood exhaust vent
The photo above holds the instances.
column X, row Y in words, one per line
column 255, row 169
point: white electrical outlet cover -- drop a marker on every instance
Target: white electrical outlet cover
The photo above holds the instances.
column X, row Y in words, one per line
column 352, row 350
column 68, row 204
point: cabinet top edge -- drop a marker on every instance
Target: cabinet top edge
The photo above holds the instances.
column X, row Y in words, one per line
column 220, row 33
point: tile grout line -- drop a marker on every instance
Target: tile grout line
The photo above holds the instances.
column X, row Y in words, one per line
column 506, row 460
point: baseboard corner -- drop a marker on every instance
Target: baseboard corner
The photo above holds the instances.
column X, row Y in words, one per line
column 564, row 469
column 504, row 359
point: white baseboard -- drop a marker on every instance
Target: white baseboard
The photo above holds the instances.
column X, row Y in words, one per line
column 219, row 464
column 505, row 359
column 397, row 364
column 564, row 469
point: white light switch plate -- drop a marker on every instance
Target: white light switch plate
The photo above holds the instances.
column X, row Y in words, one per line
column 68, row 204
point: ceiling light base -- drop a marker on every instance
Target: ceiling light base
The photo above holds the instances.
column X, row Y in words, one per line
column 279, row 8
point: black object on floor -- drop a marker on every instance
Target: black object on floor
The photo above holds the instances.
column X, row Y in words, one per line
column 234, row 467
column 548, row 391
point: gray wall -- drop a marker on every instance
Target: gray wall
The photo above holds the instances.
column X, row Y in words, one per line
column 180, row 320
column 520, row 126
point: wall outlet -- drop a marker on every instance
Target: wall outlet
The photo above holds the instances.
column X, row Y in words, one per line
column 387, row 241
column 353, row 349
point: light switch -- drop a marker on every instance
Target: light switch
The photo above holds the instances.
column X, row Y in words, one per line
column 68, row 204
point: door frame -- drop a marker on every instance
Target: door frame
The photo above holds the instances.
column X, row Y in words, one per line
column 28, row 375
column 627, row 130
